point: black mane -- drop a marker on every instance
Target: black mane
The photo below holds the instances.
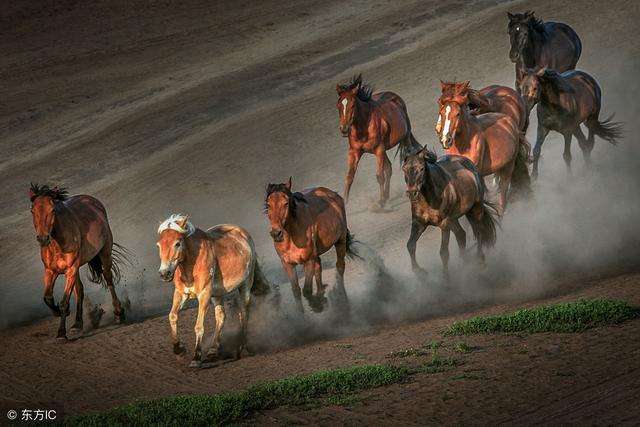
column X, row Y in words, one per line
column 294, row 198
column 530, row 20
column 364, row 89
column 56, row 193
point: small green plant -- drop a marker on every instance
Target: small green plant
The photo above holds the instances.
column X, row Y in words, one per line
column 439, row 364
column 463, row 347
column 226, row 408
column 343, row 400
column 408, row 352
column 565, row 317
column 344, row 346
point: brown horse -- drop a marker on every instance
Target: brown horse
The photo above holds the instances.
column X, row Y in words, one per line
column 441, row 191
column 305, row 225
column 537, row 44
column 207, row 266
column 564, row 102
column 73, row 231
column 492, row 141
column 374, row 123
column 500, row 99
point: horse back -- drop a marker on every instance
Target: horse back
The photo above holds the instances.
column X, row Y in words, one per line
column 327, row 214
column 234, row 252
column 585, row 98
column 502, row 137
column 562, row 47
column 90, row 216
column 393, row 110
column 465, row 179
column 506, row 101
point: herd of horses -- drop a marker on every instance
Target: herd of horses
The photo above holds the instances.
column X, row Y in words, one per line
column 481, row 131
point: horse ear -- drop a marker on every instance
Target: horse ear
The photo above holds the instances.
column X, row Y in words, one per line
column 182, row 222
column 289, row 183
column 443, row 85
column 339, row 89
column 32, row 194
column 528, row 14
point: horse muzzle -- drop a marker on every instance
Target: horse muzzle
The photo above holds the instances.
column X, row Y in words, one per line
column 413, row 194
column 166, row 275
column 277, row 235
column 446, row 142
column 514, row 56
column 44, row 240
column 344, row 130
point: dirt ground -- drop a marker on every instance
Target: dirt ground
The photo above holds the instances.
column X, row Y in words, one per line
column 193, row 107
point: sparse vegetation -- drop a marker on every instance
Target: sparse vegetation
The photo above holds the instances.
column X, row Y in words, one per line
column 408, row 352
column 463, row 348
column 230, row 407
column 439, row 364
column 565, row 317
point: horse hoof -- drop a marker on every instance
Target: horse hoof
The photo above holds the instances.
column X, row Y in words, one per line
column 179, row 349
column 120, row 318
column 95, row 316
column 61, row 338
column 77, row 327
column 195, row 364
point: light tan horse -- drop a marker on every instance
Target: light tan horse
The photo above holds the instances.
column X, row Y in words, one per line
column 209, row 265
column 492, row 141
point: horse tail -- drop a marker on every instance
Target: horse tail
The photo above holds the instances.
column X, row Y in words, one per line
column 407, row 146
column 607, row 130
column 520, row 179
column 484, row 227
column 261, row 285
column 119, row 256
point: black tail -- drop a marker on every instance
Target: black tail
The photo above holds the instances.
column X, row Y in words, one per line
column 607, row 130
column 520, row 179
column 119, row 256
column 407, row 146
column 261, row 285
column 352, row 252
column 484, row 229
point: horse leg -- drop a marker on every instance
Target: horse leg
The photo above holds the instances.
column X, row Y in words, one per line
column 244, row 297
column 107, row 263
column 542, row 135
column 388, row 171
column 585, row 145
column 504, row 181
column 461, row 236
column 381, row 160
column 341, row 253
column 307, row 289
column 49, row 281
column 70, row 278
column 178, row 301
column 444, row 251
column 78, row 290
column 353, row 158
column 318, row 275
column 290, row 269
column 204, row 299
column 218, row 305
column 417, row 228
column 566, row 155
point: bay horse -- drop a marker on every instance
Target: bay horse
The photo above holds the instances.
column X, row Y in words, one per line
column 565, row 101
column 441, row 191
column 74, row 231
column 374, row 123
column 305, row 225
column 538, row 44
column 500, row 99
column 492, row 141
column 208, row 266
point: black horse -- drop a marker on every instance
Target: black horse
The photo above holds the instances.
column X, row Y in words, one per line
column 565, row 101
column 537, row 44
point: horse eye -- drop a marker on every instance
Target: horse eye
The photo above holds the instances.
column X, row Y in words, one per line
column 177, row 245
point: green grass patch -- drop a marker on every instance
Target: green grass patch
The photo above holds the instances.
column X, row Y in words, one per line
column 344, row 399
column 408, row 352
column 463, row 348
column 565, row 317
column 206, row 410
column 439, row 364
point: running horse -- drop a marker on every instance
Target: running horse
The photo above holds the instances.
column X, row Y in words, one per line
column 74, row 231
column 441, row 191
column 492, row 141
column 207, row 266
column 374, row 123
column 565, row 101
column 305, row 225
column 537, row 44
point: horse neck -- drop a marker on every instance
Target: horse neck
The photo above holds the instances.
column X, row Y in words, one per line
column 548, row 96
column 296, row 226
column 193, row 250
column 64, row 226
column 531, row 51
column 463, row 133
column 431, row 188
column 362, row 116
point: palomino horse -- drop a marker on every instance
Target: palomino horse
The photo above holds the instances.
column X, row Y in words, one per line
column 207, row 266
column 492, row 141
column 374, row 124
column 73, row 231
column 440, row 192
column 564, row 102
column 500, row 99
column 305, row 225
column 537, row 44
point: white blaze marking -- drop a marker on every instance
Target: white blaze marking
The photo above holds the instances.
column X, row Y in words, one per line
column 447, row 123
column 344, row 106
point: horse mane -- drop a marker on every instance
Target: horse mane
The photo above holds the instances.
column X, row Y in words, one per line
column 530, row 20
column 430, row 156
column 56, row 193
column 457, row 92
column 365, row 90
column 294, row 198
column 171, row 223
column 555, row 80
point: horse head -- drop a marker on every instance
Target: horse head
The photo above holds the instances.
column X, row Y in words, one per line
column 171, row 244
column 348, row 95
column 455, row 96
column 414, row 169
column 520, row 26
column 280, row 207
column 43, row 210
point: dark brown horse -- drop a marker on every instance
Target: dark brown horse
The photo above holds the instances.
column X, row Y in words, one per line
column 305, row 225
column 564, row 102
column 500, row 99
column 537, row 44
column 492, row 141
column 441, row 191
column 73, row 231
column 374, row 123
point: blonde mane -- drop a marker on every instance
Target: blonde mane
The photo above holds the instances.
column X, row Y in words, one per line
column 171, row 223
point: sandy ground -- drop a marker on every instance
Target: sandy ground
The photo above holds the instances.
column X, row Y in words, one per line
column 191, row 107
